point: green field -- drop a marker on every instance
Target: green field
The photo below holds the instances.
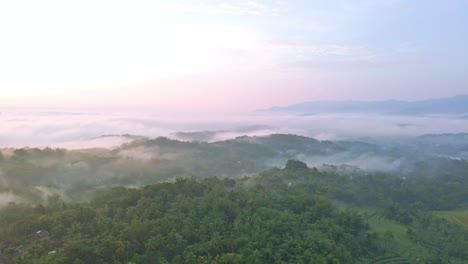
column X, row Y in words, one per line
column 403, row 249
column 457, row 217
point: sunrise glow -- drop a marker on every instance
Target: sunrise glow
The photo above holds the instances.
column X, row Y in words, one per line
column 160, row 53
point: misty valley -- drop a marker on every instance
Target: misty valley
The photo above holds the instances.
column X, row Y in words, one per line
column 279, row 198
column 233, row 131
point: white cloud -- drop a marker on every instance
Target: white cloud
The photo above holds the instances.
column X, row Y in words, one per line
column 218, row 7
column 366, row 5
column 62, row 129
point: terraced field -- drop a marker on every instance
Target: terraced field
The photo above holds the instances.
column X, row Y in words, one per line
column 403, row 249
column 457, row 217
column 391, row 259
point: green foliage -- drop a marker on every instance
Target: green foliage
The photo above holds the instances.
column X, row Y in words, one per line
column 34, row 174
column 212, row 221
column 457, row 217
column 295, row 165
column 334, row 214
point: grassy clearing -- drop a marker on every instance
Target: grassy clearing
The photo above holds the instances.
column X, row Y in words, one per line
column 396, row 238
column 457, row 217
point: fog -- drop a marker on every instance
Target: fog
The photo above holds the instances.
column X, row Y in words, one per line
column 86, row 129
column 104, row 149
column 367, row 161
column 8, row 197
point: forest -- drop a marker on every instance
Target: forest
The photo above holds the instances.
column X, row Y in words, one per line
column 168, row 201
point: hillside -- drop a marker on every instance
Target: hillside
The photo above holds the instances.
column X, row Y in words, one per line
column 32, row 174
column 453, row 105
column 292, row 215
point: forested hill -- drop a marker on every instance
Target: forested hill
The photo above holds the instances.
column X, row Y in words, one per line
column 291, row 215
column 32, row 174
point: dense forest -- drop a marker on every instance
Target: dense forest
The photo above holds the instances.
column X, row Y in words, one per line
column 292, row 215
column 168, row 201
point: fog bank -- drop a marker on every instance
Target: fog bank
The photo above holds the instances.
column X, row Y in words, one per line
column 85, row 129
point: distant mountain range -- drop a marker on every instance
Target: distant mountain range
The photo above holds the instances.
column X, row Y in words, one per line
column 452, row 105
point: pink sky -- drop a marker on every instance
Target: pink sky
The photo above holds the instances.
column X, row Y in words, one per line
column 226, row 55
column 202, row 92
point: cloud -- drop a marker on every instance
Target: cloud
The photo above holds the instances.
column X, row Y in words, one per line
column 304, row 50
column 366, row 5
column 62, row 129
column 86, row 129
column 8, row 197
column 335, row 65
column 317, row 48
column 366, row 161
column 98, row 142
column 237, row 8
column 226, row 135
column 345, row 58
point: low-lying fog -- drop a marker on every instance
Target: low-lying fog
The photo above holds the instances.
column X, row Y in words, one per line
column 85, row 129
column 347, row 144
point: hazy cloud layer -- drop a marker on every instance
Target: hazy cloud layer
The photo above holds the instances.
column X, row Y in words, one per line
column 88, row 130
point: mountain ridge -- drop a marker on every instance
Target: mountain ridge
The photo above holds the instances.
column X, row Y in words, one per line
column 448, row 105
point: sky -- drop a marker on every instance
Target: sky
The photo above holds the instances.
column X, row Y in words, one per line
column 214, row 55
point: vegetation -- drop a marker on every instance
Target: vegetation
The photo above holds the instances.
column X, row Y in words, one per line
column 190, row 221
column 293, row 215
column 456, row 217
column 33, row 174
column 159, row 201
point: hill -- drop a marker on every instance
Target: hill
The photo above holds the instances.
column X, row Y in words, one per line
column 32, row 174
column 452, row 105
column 292, row 215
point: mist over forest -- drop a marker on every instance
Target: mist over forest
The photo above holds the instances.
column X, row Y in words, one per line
column 399, row 181
column 71, row 154
column 75, row 129
column 232, row 132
